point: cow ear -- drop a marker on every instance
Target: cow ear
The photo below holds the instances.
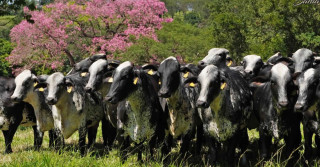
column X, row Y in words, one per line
column 98, row 56
column 113, row 64
column 69, row 84
column 191, row 82
column 150, row 69
column 285, row 60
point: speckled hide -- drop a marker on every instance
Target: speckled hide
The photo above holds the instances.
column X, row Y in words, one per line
column 138, row 123
column 180, row 112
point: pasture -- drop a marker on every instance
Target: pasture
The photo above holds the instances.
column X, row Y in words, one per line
column 23, row 154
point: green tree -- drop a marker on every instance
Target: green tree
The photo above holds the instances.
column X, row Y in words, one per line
column 5, row 49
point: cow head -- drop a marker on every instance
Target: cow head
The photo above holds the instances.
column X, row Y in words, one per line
column 216, row 56
column 251, row 65
column 124, row 80
column 280, row 80
column 84, row 64
column 211, row 82
column 308, row 83
column 25, row 83
column 303, row 59
column 7, row 87
column 57, row 85
column 169, row 73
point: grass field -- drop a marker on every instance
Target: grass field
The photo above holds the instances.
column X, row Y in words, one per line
column 24, row 155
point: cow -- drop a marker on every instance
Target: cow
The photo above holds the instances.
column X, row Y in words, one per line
column 302, row 59
column 84, row 64
column 99, row 71
column 14, row 114
column 183, row 116
column 142, row 115
column 274, row 98
column 226, row 100
column 25, row 91
column 72, row 108
column 308, row 104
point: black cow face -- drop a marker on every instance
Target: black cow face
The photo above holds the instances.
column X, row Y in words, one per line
column 210, row 82
column 123, row 82
column 169, row 73
column 25, row 83
column 216, row 56
column 252, row 65
column 308, row 83
column 57, row 85
column 7, row 87
column 281, row 84
column 303, row 59
column 96, row 73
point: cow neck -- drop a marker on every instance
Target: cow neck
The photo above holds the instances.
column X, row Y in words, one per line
column 104, row 89
column 65, row 102
column 34, row 99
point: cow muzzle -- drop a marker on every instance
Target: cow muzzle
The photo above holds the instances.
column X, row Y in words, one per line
column 283, row 103
column 110, row 99
column 16, row 99
column 298, row 107
column 164, row 93
column 88, row 89
column 51, row 100
column 202, row 104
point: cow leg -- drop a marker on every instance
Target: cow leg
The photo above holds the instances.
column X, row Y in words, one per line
column 317, row 140
column 230, row 147
column 59, row 140
column 52, row 137
column 109, row 133
column 92, row 134
column 82, row 139
column 212, row 155
column 8, row 136
column 199, row 138
column 292, row 142
column 38, row 137
column 307, row 142
column 185, row 143
column 265, row 142
column 243, row 144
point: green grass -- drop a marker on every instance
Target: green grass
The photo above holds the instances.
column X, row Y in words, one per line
column 24, row 155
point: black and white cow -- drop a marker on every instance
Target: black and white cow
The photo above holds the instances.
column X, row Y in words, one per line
column 14, row 114
column 183, row 116
column 142, row 115
column 84, row 64
column 274, row 99
column 225, row 99
column 308, row 104
column 303, row 59
column 72, row 108
column 25, row 91
column 99, row 72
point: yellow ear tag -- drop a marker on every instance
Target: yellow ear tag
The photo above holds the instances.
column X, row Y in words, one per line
column 35, row 84
column 135, row 81
column 229, row 64
column 192, row 84
column 83, row 74
column 223, row 85
column 69, row 89
column 110, row 80
column 186, row 75
column 159, row 82
column 150, row 72
column 41, row 89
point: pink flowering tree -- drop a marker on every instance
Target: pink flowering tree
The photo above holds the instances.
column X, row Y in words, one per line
column 71, row 30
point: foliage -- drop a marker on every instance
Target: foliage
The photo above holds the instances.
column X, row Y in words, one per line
column 6, row 23
column 5, row 49
column 76, row 29
column 13, row 7
column 178, row 39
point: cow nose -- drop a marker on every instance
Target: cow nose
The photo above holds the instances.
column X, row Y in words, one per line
column 201, row 103
column 88, row 89
column 51, row 100
column 283, row 103
column 201, row 64
column 15, row 98
column 108, row 98
column 248, row 71
column 298, row 106
column 163, row 93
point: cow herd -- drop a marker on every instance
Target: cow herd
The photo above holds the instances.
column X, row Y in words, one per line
column 210, row 105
